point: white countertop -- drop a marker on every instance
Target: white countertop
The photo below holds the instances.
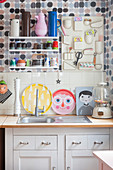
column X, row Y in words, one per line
column 105, row 156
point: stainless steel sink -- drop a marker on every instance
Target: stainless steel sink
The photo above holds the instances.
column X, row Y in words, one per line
column 33, row 119
column 53, row 119
column 72, row 119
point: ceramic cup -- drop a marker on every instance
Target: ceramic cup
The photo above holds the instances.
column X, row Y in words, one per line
column 89, row 39
column 86, row 22
column 67, row 23
column 98, row 47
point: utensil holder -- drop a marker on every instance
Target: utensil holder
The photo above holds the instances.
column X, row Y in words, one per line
column 98, row 47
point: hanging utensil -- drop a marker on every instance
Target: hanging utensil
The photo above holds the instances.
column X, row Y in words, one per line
column 78, row 56
column 94, row 59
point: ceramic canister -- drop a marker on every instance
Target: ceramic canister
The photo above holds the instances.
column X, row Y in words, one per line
column 15, row 27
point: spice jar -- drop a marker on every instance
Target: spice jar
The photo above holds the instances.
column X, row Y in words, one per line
column 35, row 45
column 53, row 62
column 38, row 46
column 24, row 45
column 44, row 45
column 12, row 46
column 49, row 45
column 19, row 46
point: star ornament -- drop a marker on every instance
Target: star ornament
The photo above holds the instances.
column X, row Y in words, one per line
column 58, row 81
column 1, row 1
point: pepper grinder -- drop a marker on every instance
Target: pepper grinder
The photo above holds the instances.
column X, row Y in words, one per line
column 17, row 99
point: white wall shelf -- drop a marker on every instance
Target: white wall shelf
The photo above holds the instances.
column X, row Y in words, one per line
column 33, row 38
column 32, row 67
column 35, row 50
column 32, row 50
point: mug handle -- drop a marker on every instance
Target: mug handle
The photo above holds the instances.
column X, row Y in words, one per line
column 59, row 20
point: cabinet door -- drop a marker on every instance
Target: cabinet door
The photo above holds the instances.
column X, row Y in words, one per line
column 81, row 160
column 35, row 160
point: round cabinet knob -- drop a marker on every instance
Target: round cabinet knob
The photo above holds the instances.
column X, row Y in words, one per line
column 54, row 168
column 46, row 143
column 76, row 143
column 24, row 143
column 68, row 168
column 99, row 143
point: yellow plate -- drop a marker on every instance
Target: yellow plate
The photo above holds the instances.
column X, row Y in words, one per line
column 29, row 98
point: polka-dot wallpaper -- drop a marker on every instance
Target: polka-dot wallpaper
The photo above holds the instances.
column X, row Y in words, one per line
column 13, row 9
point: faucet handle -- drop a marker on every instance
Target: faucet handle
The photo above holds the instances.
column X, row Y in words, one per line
column 41, row 110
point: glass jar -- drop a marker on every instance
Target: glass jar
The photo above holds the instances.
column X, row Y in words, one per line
column 101, row 93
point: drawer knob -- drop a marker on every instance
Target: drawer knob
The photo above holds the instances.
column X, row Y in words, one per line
column 24, row 143
column 68, row 168
column 46, row 143
column 99, row 143
column 54, row 168
column 76, row 143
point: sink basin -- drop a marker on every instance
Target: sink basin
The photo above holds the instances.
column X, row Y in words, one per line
column 53, row 119
column 72, row 119
column 31, row 119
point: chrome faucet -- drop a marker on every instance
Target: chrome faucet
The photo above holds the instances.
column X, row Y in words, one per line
column 37, row 110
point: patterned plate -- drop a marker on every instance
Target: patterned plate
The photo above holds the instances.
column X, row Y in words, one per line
column 63, row 101
column 29, row 98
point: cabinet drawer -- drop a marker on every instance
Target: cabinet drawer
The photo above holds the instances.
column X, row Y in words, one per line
column 46, row 142
column 98, row 142
column 24, row 142
column 76, row 142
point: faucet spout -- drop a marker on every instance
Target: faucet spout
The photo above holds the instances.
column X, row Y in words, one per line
column 37, row 110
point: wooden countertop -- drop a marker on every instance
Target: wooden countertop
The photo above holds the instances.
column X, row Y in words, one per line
column 105, row 156
column 10, row 122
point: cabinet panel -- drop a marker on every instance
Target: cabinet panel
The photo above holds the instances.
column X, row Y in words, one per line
column 24, row 142
column 98, row 141
column 81, row 160
column 76, row 142
column 46, row 142
column 35, row 160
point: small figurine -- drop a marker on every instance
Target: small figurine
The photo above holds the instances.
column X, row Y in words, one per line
column 4, row 92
